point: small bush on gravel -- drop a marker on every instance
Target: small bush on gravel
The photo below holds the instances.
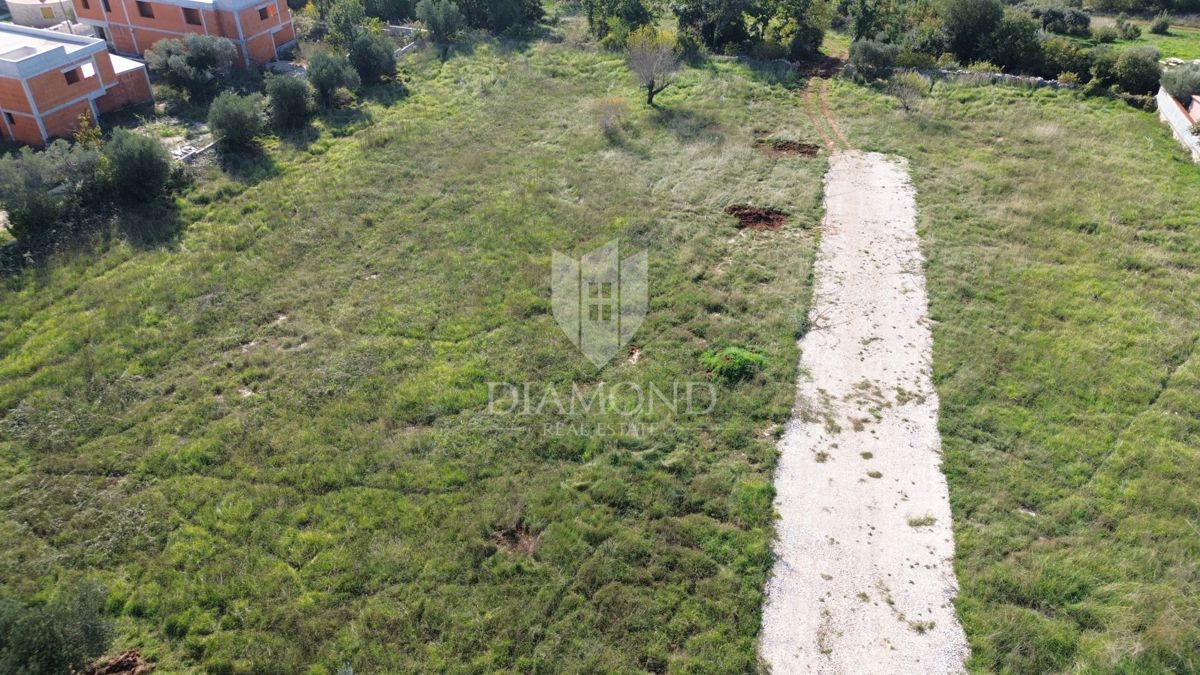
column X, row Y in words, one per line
column 235, row 120
column 732, row 364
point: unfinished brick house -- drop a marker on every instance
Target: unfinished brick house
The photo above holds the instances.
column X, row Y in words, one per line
column 48, row 79
column 260, row 29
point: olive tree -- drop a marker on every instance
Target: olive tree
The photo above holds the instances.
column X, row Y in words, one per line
column 653, row 58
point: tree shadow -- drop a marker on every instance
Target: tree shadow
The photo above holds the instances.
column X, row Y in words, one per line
column 151, row 225
column 248, row 166
column 343, row 122
column 386, row 93
column 689, row 126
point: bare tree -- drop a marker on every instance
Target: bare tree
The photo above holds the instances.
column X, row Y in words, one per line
column 653, row 58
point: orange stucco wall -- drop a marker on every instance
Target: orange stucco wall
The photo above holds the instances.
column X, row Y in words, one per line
column 133, row 33
column 60, row 104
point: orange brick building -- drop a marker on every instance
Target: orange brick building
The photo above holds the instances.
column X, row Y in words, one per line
column 48, row 79
column 260, row 29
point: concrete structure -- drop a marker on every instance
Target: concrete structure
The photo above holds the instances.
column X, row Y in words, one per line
column 260, row 29
column 1178, row 118
column 48, row 79
column 40, row 13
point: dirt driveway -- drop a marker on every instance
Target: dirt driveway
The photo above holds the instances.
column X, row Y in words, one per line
column 864, row 576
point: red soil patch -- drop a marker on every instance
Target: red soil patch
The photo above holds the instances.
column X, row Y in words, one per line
column 516, row 539
column 823, row 66
column 779, row 147
column 128, row 662
column 757, row 217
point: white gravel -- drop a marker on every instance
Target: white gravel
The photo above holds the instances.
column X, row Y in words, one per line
column 864, row 577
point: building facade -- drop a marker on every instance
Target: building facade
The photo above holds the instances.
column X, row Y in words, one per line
column 260, row 29
column 49, row 79
column 40, row 13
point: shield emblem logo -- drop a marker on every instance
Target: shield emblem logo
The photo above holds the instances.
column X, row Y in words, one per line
column 599, row 300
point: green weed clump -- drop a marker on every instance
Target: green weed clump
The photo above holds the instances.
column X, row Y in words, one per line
column 732, row 364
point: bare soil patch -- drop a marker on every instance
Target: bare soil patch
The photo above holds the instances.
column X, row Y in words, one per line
column 128, row 662
column 757, row 217
column 777, row 147
column 516, row 539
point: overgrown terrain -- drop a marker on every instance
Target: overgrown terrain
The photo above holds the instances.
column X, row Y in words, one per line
column 1060, row 235
column 269, row 438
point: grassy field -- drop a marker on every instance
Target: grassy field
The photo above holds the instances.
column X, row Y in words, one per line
column 1062, row 249
column 268, row 437
column 1182, row 42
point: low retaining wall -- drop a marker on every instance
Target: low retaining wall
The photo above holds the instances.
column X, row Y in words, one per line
column 990, row 78
column 1172, row 112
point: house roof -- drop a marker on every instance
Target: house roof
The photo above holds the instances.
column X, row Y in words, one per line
column 27, row 51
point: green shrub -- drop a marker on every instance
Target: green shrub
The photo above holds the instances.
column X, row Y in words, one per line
column 732, row 364
column 872, row 60
column 1104, row 66
column 345, row 21
column 289, row 100
column 45, row 192
column 1161, row 24
column 1105, row 34
column 328, row 72
column 1126, row 29
column 442, row 19
column 907, row 58
column 1062, row 55
column 58, row 637
column 1137, row 70
column 1182, row 82
column 235, row 121
column 1016, row 45
column 371, row 55
column 968, row 23
column 138, row 164
column 1068, row 77
column 197, row 64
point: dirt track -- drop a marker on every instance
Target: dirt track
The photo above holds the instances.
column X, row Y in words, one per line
column 864, row 578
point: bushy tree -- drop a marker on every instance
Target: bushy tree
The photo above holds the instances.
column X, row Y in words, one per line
column 138, row 165
column 345, row 21
column 235, row 121
column 721, row 24
column 1104, row 66
column 1161, row 25
column 606, row 16
column 372, row 56
column 1127, row 29
column 969, row 25
column 872, row 60
column 329, row 71
column 44, row 192
column 500, row 15
column 1182, row 82
column 653, row 59
column 390, row 10
column 196, row 64
column 442, row 19
column 799, row 25
column 289, row 100
column 1137, row 70
column 1016, row 44
column 1061, row 55
column 1059, row 19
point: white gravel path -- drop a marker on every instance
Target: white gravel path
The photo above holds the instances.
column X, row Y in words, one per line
column 864, row 576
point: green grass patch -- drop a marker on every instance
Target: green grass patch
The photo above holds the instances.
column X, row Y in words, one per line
column 269, row 438
column 1061, row 250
